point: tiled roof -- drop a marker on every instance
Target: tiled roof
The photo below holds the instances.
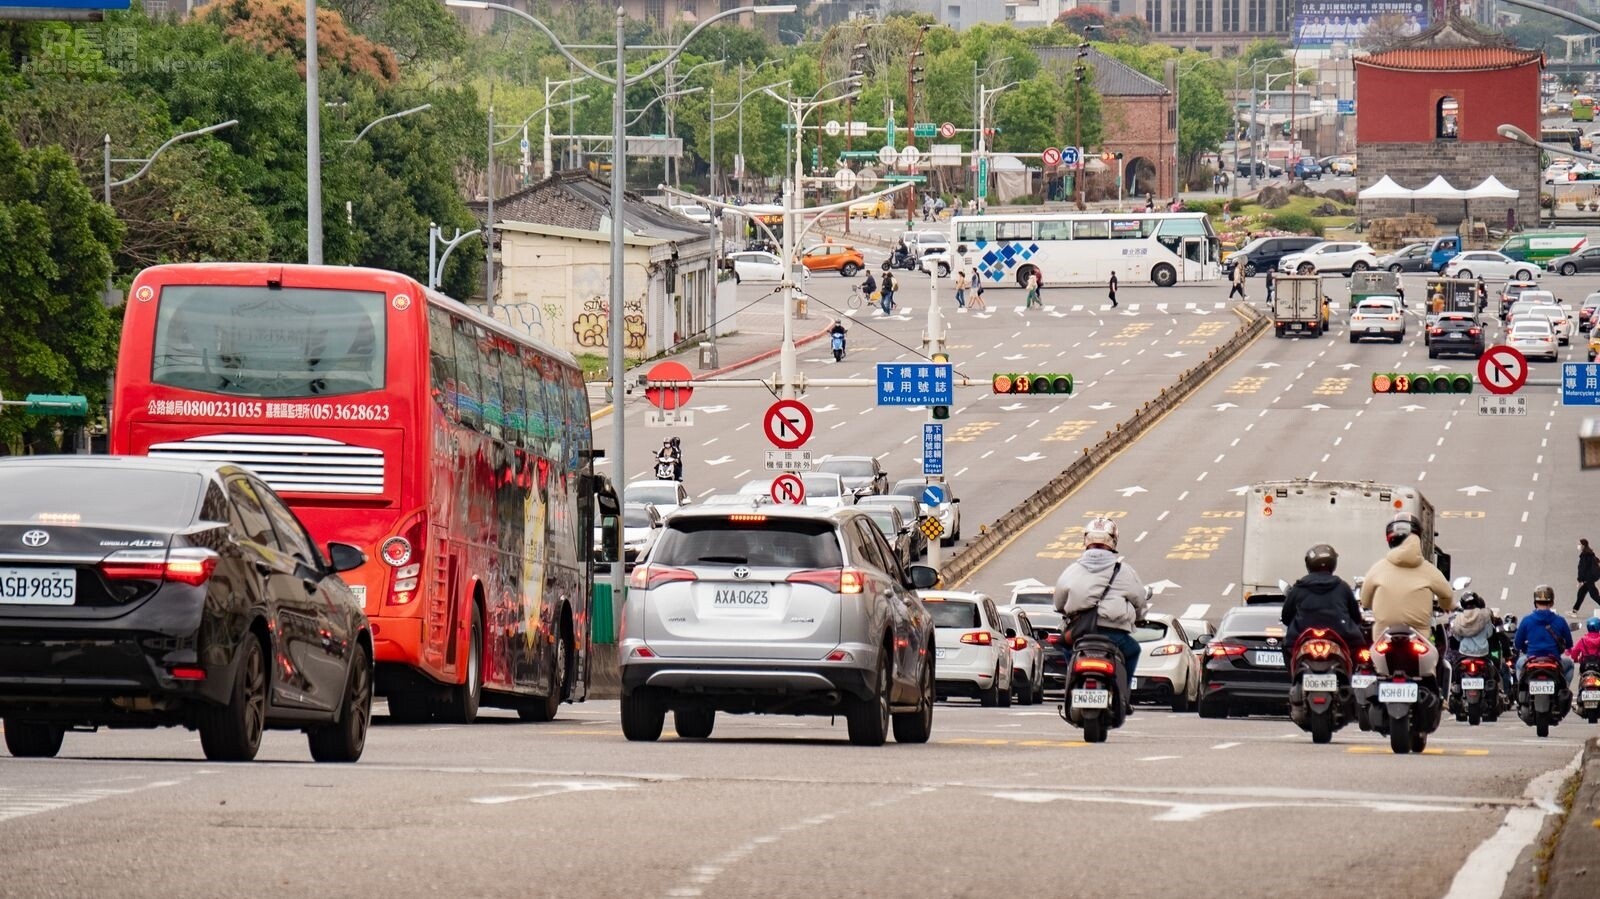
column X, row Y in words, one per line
column 1452, row 59
column 575, row 199
column 1112, row 77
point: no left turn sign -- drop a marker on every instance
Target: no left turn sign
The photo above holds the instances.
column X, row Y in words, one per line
column 788, row 424
column 1503, row 370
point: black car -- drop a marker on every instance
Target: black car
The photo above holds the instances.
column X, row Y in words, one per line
column 141, row 592
column 1573, row 263
column 1245, row 668
column 1263, row 168
column 1262, row 254
column 1455, row 332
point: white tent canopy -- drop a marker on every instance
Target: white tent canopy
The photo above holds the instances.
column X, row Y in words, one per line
column 1492, row 189
column 1386, row 189
column 1439, row 189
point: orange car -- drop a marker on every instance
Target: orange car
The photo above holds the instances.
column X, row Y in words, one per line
column 832, row 257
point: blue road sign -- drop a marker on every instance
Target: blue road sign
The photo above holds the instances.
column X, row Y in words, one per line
column 1070, row 155
column 1347, row 107
column 1580, row 384
column 933, row 494
column 932, row 451
column 915, row 384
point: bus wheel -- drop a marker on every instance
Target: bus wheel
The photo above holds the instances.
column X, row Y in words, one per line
column 460, row 703
column 1026, row 272
column 545, row 709
column 1164, row 276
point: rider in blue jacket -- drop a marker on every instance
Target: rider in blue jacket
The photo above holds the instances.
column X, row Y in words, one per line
column 1543, row 633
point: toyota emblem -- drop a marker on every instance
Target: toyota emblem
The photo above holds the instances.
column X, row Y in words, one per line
column 741, row 572
column 35, row 538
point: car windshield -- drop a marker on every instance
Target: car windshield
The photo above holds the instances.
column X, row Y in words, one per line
column 636, row 517
column 1252, row 623
column 753, row 540
column 954, row 613
column 1040, row 597
column 1150, row 632
column 118, row 497
column 654, row 494
column 849, row 468
column 1250, row 246
column 912, row 489
column 820, row 485
column 884, row 519
column 1375, row 309
column 1531, row 328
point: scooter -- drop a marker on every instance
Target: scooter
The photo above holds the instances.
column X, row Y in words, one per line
column 838, row 347
column 666, row 467
column 1405, row 707
column 1543, row 698
column 1320, row 697
column 1589, row 690
column 1364, row 687
column 1097, row 691
column 1475, row 689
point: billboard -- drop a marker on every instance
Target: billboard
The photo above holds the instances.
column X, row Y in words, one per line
column 59, row 9
column 1323, row 23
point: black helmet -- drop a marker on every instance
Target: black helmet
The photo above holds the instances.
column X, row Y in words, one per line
column 1400, row 527
column 1544, row 595
column 1473, row 601
column 1322, row 557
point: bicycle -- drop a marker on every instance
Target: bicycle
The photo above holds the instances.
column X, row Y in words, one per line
column 857, row 297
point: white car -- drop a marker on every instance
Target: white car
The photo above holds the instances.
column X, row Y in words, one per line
column 755, row 265
column 1378, row 317
column 825, row 490
column 1557, row 171
column 936, row 258
column 971, row 651
column 666, row 496
column 1535, row 338
column 1340, row 256
column 1169, row 671
column 1560, row 321
column 1489, row 264
column 1027, row 656
column 1033, row 593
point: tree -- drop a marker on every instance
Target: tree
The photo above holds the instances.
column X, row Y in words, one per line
column 415, row 30
column 279, row 26
column 1384, row 32
column 59, row 337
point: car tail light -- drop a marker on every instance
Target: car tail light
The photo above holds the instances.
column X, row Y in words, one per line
column 745, row 518
column 1474, row 332
column 1435, row 332
column 1019, row 642
column 187, row 672
column 977, row 638
column 183, row 566
column 649, row 577
column 836, row 580
column 1087, row 664
column 839, row 655
column 1171, row 649
column 642, row 652
column 1224, row 650
column 1392, row 318
column 1052, row 639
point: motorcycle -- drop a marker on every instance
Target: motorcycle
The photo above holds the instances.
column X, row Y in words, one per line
column 1403, row 705
column 1475, row 693
column 838, row 347
column 1364, row 686
column 1097, row 690
column 1543, row 697
column 666, row 467
column 1320, row 697
column 1589, row 690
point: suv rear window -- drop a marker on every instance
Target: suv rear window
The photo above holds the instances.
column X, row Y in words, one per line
column 954, row 613
column 756, row 540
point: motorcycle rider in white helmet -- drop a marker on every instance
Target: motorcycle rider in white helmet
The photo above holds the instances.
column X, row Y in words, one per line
column 1101, row 580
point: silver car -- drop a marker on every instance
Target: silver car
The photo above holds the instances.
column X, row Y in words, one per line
column 910, row 512
column 777, row 609
column 862, row 475
column 948, row 512
column 1378, row 317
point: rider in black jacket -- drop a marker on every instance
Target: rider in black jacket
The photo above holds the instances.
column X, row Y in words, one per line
column 1322, row 599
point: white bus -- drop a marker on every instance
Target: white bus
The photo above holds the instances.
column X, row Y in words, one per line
column 1086, row 247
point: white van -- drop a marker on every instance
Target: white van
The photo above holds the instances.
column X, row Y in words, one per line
column 691, row 211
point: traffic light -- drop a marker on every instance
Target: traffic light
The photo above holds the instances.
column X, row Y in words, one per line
column 1041, row 383
column 940, row 413
column 1420, row 382
column 816, row 159
column 57, row 404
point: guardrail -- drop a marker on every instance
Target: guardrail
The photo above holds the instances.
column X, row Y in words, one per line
column 996, row 534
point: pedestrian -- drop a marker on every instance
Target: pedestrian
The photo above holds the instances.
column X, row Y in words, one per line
column 1272, row 282
column 1238, row 283
column 978, row 304
column 1483, row 295
column 1033, row 291
column 927, row 207
column 1588, row 574
column 961, row 290
column 938, row 208
column 1111, row 290
column 1399, row 291
column 890, row 284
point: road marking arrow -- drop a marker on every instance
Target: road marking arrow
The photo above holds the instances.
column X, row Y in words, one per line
column 1016, row 357
column 1315, row 407
column 722, row 461
column 1349, row 365
column 1176, row 355
column 713, row 410
column 828, row 408
column 1160, row 587
column 1223, row 407
column 1240, row 491
column 1031, row 457
column 1011, row 408
column 1267, row 365
column 1130, row 491
column 1438, row 368
column 1101, row 407
column 1411, row 407
column 1096, row 356
column 1474, row 490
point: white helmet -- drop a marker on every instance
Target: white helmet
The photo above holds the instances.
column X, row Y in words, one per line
column 1100, row 532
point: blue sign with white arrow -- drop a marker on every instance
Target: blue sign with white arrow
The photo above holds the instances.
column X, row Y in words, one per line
column 933, row 495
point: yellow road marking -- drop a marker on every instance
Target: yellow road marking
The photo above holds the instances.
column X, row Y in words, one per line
column 1384, row 750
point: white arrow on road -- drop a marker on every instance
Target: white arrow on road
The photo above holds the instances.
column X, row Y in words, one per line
column 1101, row 407
column 1240, row 491
column 1474, row 490
column 828, row 408
column 1223, row 407
column 1031, row 457
column 1315, row 407
column 1011, row 408
column 1130, row 491
column 1160, row 587
column 1267, row 365
column 1438, row 368
column 1016, row 357
column 1176, row 355
column 721, row 461
column 713, row 410
column 1096, row 356
column 1349, row 365
column 1411, row 407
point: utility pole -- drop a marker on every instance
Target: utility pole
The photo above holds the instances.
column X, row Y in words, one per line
column 313, row 142
column 1080, row 72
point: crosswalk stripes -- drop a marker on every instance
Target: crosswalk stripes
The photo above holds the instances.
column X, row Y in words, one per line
column 18, row 802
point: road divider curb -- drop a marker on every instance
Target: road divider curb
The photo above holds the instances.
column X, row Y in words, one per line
column 1575, row 842
column 1000, row 532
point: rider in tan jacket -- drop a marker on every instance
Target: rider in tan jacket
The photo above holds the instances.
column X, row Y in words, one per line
column 1400, row 589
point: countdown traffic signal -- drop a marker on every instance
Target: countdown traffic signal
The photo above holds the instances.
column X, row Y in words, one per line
column 1421, row 382
column 1047, row 383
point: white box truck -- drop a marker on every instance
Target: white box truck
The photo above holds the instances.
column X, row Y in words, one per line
column 1297, row 306
column 1283, row 519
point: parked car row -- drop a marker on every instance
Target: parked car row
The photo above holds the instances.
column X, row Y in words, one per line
column 761, row 265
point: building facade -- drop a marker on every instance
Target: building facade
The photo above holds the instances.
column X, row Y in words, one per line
column 1140, row 121
column 1433, row 106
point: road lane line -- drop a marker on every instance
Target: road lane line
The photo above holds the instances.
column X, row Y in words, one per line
column 1512, row 570
column 1183, row 496
column 1163, row 515
column 1226, row 745
column 1140, row 538
column 1518, row 543
column 1228, row 589
column 1483, row 875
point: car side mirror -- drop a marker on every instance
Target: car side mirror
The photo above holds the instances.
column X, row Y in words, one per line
column 1461, row 583
column 345, row 557
column 610, row 538
column 923, row 577
column 1198, row 644
column 1011, row 633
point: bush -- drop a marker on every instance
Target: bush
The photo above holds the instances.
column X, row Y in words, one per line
column 1294, row 222
column 1209, row 207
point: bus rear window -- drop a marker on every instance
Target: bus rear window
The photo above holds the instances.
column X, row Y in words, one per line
column 257, row 341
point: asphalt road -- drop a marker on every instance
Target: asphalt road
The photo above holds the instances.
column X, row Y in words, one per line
column 1002, row 800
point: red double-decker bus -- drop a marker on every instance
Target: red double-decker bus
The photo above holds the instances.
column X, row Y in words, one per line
column 454, row 450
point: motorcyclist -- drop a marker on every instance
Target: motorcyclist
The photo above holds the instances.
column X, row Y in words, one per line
column 1543, row 633
column 1100, row 580
column 1402, row 587
column 837, row 330
column 1474, row 632
column 1588, row 646
column 1323, row 599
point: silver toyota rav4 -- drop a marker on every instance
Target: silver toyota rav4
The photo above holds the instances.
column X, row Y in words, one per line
column 775, row 609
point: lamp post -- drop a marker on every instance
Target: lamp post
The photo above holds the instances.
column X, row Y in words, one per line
column 673, row 80
column 313, row 142
column 388, row 118
column 739, row 109
column 982, row 96
column 488, row 228
column 548, row 85
column 1080, row 73
column 739, row 162
column 619, row 154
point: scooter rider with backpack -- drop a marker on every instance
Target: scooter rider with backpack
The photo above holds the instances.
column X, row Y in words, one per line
column 1323, row 599
column 1100, row 581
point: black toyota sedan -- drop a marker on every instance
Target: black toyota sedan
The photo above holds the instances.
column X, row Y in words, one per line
column 1245, row 668
column 142, row 592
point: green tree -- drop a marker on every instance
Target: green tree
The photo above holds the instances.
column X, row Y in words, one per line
column 415, row 30
column 59, row 337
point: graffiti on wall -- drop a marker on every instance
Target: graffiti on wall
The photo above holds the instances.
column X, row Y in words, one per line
column 591, row 327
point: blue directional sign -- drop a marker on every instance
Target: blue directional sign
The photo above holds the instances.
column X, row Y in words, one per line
column 933, row 494
column 932, row 452
column 1580, row 384
column 1070, row 155
column 1347, row 107
column 915, row 384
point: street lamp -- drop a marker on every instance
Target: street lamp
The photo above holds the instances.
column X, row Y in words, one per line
column 619, row 154
column 548, row 85
column 106, row 144
column 673, row 80
column 313, row 142
column 488, row 253
column 657, row 99
column 388, row 118
column 980, row 162
column 739, row 166
column 738, row 108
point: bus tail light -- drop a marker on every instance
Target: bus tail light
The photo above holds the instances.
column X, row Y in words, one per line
column 403, row 554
